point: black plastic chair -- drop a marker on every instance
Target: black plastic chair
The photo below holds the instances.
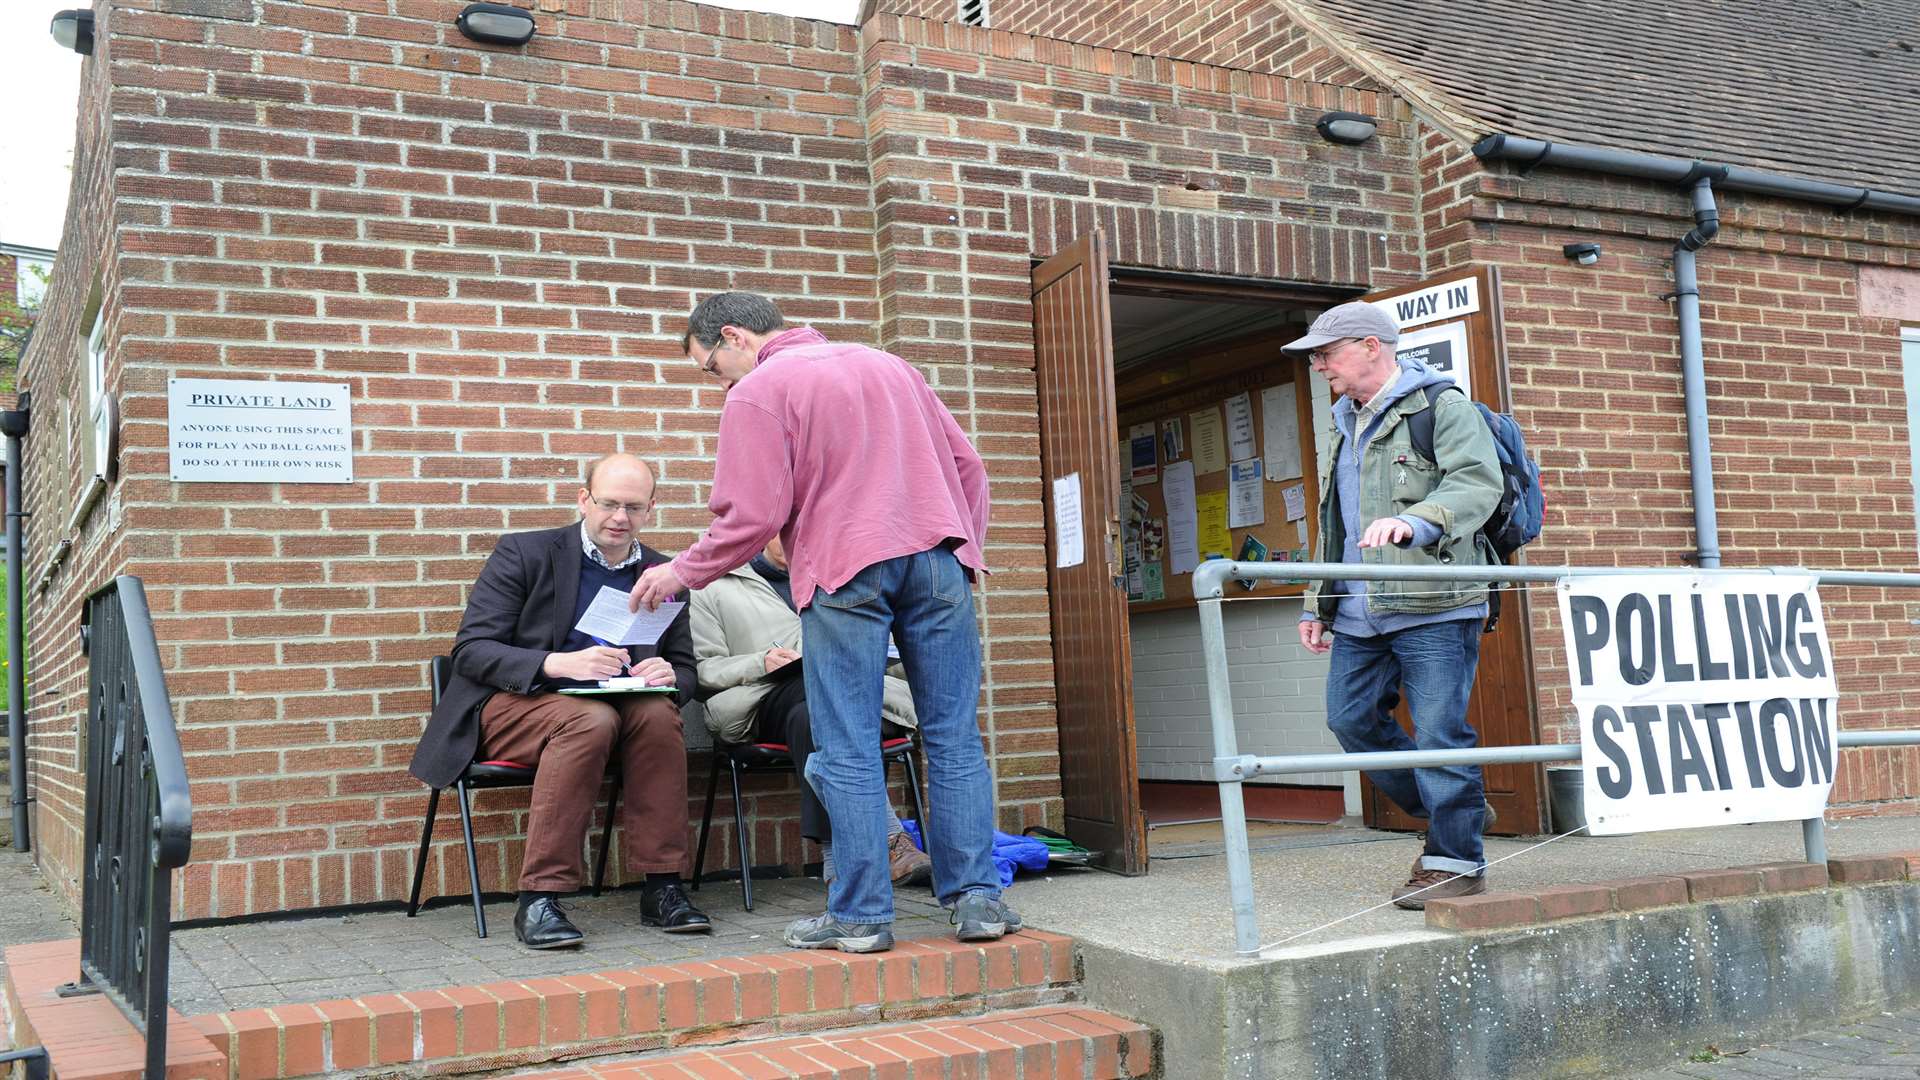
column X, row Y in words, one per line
column 775, row 757
column 490, row 774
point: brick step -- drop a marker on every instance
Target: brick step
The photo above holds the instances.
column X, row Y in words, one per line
column 707, row 1003
column 1049, row 1042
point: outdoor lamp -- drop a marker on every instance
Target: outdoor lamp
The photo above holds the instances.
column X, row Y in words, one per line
column 497, row 24
column 1345, row 128
column 74, row 30
column 1586, row 254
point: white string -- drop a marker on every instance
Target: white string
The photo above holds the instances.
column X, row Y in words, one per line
column 1416, row 892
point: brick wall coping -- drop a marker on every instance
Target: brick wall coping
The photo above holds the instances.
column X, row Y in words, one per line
column 1513, row 910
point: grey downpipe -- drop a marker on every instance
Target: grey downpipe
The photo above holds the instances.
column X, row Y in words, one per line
column 13, row 424
column 1693, row 372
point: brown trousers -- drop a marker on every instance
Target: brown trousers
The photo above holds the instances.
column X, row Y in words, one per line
column 570, row 739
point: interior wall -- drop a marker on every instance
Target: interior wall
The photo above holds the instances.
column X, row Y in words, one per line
column 1279, row 688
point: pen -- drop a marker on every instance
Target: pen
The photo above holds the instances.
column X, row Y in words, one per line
column 626, row 667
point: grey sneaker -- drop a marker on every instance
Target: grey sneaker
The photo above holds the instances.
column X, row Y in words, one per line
column 826, row 932
column 983, row 918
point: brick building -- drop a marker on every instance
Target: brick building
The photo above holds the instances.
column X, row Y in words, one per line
column 1068, row 218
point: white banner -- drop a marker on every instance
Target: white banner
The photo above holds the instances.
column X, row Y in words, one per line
column 1703, row 699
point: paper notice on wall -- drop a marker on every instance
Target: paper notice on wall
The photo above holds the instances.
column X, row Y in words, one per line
column 1215, row 538
column 1069, row 537
column 1240, row 443
column 1247, row 504
column 1136, row 582
column 1183, row 538
column 1141, row 454
column 1209, row 442
column 1296, row 497
column 1280, row 431
column 1173, row 438
column 1154, row 583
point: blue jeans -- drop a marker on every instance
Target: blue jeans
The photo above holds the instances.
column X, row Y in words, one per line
column 1433, row 666
column 925, row 602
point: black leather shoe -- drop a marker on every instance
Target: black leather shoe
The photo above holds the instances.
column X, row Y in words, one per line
column 539, row 923
column 668, row 908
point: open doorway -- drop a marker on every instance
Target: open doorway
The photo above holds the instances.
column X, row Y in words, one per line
column 1172, row 430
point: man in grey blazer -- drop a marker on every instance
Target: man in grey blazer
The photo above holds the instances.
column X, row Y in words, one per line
column 517, row 648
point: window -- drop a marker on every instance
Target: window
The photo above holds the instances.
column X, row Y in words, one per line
column 30, row 281
column 1910, row 364
column 97, row 410
column 973, row 12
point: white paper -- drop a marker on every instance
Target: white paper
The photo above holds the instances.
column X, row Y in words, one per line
column 1069, row 537
column 1296, row 496
column 1183, row 526
column 608, row 619
column 1209, row 442
column 1247, row 500
column 1240, row 445
column 1280, row 428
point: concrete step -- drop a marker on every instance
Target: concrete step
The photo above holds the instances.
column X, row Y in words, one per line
column 1050, row 1042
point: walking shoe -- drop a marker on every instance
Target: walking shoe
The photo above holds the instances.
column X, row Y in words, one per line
column 668, row 908
column 1428, row 885
column 980, row 917
column 908, row 864
column 1486, row 826
column 826, row 932
column 539, row 923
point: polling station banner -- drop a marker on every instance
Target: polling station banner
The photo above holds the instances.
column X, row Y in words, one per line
column 1703, row 699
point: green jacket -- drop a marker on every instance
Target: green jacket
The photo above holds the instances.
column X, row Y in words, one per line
column 1456, row 492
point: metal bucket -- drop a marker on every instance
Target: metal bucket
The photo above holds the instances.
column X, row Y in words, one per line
column 1566, row 798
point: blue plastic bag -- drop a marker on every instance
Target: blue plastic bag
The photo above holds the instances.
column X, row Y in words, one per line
column 1010, row 853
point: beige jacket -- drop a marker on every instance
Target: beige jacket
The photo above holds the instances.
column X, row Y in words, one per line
column 735, row 621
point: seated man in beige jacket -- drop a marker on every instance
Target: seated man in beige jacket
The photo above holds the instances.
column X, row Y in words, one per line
column 745, row 631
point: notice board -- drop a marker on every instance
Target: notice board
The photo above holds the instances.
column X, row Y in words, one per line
column 1239, row 422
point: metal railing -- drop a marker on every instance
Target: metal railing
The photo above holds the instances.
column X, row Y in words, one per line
column 1231, row 768
column 139, row 815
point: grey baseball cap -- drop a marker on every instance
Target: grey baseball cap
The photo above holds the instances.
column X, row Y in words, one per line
column 1357, row 319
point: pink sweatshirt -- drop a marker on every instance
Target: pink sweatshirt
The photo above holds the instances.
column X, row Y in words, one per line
column 848, row 455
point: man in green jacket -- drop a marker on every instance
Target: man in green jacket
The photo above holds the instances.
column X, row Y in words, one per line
column 1383, row 501
column 745, row 634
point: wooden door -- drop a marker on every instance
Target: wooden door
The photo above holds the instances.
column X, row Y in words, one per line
column 1093, row 669
column 1461, row 312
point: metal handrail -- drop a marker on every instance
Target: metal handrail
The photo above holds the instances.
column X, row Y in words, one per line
column 1231, row 768
column 139, row 826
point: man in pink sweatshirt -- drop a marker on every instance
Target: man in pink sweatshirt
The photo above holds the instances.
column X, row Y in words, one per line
column 846, row 454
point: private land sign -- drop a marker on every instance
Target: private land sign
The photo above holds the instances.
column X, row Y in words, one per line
column 254, row 431
column 1703, row 699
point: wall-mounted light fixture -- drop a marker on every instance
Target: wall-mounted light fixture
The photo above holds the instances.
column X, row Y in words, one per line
column 1346, row 128
column 74, row 30
column 496, row 24
column 1586, row 254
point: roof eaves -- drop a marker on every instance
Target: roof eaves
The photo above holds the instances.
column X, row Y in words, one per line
column 1427, row 99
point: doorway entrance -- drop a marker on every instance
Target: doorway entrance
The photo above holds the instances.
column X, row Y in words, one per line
column 1172, row 430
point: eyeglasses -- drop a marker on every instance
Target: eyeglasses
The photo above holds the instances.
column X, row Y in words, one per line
column 1325, row 352
column 711, row 365
column 612, row 506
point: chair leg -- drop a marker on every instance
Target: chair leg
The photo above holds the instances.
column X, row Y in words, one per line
column 706, row 821
column 606, row 836
column 919, row 808
column 420, row 864
column 473, row 860
column 740, row 835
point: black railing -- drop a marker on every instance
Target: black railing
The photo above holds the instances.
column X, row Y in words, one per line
column 139, row 814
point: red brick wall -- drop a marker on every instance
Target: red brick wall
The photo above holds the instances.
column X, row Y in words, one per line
column 1247, row 35
column 54, row 370
column 1808, row 418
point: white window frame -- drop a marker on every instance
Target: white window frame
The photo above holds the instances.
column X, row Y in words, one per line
column 97, row 412
column 1910, row 369
column 22, row 275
